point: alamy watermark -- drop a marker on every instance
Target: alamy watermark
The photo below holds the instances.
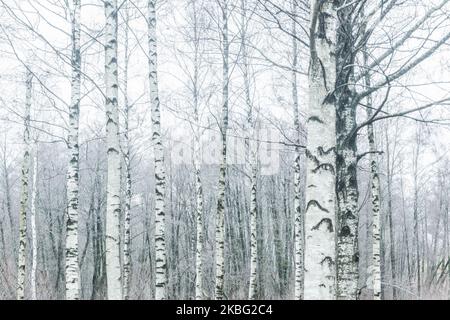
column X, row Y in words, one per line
column 264, row 140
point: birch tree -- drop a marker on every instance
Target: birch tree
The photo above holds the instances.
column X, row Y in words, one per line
column 389, row 174
column 21, row 264
column 370, row 61
column 220, row 214
column 72, row 262
column 416, row 158
column 197, row 153
column 33, row 225
column 113, row 270
column 320, row 257
column 375, row 198
column 251, row 154
column 126, row 150
column 346, row 158
column 299, row 224
column 160, row 180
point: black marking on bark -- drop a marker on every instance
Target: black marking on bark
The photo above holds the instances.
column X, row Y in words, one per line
column 317, row 204
column 345, row 231
column 323, row 152
column 315, row 118
column 356, row 257
column 112, row 149
column 324, row 166
column 330, row 98
column 327, row 221
column 349, row 215
column 328, row 260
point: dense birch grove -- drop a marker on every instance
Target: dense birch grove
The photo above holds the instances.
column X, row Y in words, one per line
column 224, row 149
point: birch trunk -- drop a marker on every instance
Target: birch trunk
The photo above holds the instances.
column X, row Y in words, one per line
column 375, row 269
column 160, row 181
column 113, row 271
column 24, row 193
column 320, row 262
column 126, row 155
column 72, row 263
column 346, row 161
column 220, row 214
column 253, row 286
column 405, row 232
column 376, row 221
column 375, row 199
column 197, row 164
column 389, row 217
column 199, row 222
column 251, row 158
column 416, row 211
column 33, row 227
column 299, row 224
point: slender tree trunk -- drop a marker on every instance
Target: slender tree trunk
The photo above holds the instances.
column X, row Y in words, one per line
column 320, row 255
column 389, row 216
column 251, row 158
column 375, row 195
column 405, row 231
column 416, row 211
column 126, row 155
column 24, row 193
column 376, row 221
column 160, row 180
column 199, row 224
column 299, row 224
column 112, row 234
column 220, row 214
column 197, row 164
column 253, row 286
column 72, row 263
column 33, row 226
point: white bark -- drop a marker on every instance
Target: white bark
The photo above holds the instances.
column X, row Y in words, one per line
column 299, row 226
column 160, row 181
column 220, row 227
column 199, row 224
column 72, row 264
column 197, row 164
column 320, row 244
column 376, row 223
column 375, row 269
column 33, row 226
column 24, row 193
column 113, row 271
column 251, row 158
column 126, row 155
column 253, row 226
